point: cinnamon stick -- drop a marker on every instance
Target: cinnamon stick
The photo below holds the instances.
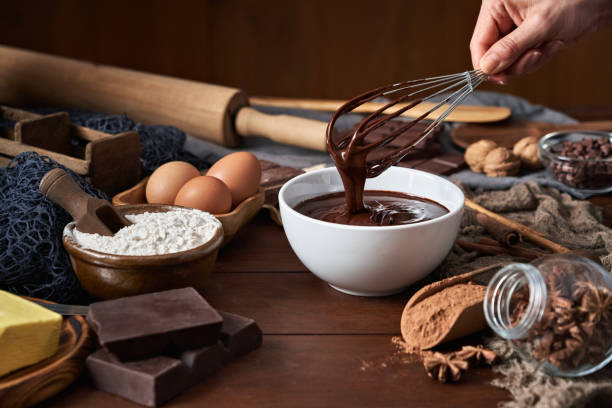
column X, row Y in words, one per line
column 492, row 242
column 526, row 232
column 497, row 249
column 502, row 233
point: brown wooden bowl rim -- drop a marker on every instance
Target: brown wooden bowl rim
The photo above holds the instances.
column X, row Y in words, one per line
column 143, row 261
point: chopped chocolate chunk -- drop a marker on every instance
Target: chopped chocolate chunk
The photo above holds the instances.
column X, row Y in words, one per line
column 239, row 334
column 588, row 165
column 147, row 325
column 155, row 380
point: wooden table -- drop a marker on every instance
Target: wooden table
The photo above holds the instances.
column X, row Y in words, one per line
column 321, row 347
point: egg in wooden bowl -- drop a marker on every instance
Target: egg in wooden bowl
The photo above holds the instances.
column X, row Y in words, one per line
column 229, row 190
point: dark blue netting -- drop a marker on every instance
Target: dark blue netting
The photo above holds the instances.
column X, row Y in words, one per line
column 33, row 261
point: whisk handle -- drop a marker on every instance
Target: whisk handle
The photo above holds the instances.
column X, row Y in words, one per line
column 285, row 129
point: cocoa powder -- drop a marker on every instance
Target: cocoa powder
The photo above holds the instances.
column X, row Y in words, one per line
column 454, row 312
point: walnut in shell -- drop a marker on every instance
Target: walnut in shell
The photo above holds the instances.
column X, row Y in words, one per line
column 526, row 150
column 501, row 162
column 476, row 152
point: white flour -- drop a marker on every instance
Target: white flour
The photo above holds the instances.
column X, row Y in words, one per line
column 155, row 233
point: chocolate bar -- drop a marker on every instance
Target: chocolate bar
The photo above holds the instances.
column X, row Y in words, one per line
column 239, row 334
column 148, row 325
column 155, row 380
column 444, row 164
column 273, row 176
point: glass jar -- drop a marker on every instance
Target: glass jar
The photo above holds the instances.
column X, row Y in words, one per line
column 556, row 310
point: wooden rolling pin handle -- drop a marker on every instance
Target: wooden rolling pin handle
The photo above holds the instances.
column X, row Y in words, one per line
column 58, row 186
column 286, row 129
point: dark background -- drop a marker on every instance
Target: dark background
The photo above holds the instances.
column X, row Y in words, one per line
column 318, row 48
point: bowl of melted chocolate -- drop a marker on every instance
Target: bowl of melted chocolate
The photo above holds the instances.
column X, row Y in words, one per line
column 374, row 238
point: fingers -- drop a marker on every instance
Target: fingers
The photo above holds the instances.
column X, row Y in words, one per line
column 485, row 35
column 534, row 59
column 510, row 48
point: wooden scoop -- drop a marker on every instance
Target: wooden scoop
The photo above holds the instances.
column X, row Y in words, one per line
column 508, row 133
column 464, row 319
column 91, row 215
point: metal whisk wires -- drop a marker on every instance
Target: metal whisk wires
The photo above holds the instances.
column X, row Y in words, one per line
column 452, row 89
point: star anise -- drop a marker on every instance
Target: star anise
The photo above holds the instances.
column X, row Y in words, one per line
column 597, row 305
column 444, row 367
column 475, row 355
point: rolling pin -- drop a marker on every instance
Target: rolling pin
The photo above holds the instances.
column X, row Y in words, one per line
column 211, row 112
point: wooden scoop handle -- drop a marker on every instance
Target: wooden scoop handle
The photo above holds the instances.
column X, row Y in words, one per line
column 58, row 186
column 92, row 215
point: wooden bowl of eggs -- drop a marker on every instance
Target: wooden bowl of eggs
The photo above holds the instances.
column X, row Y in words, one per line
column 229, row 190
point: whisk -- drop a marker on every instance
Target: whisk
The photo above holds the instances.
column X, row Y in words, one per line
column 350, row 151
column 459, row 85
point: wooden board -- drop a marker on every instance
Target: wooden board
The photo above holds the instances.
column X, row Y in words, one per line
column 109, row 162
column 33, row 384
column 507, row 133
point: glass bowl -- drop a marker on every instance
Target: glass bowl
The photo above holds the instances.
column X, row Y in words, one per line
column 591, row 174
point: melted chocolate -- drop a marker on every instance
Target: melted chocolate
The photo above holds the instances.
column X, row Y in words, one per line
column 381, row 208
column 351, row 153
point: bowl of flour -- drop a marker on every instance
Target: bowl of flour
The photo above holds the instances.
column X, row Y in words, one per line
column 166, row 247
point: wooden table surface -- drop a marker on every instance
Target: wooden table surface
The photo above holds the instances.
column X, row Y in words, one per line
column 320, row 348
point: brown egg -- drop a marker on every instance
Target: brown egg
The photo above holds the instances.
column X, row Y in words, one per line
column 167, row 180
column 241, row 173
column 205, row 193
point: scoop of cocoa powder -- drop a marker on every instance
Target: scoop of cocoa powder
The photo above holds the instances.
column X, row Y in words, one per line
column 454, row 312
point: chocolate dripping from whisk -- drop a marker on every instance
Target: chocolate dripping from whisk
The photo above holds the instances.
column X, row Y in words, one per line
column 350, row 153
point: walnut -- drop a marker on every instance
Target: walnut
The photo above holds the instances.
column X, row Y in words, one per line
column 500, row 162
column 526, row 150
column 476, row 152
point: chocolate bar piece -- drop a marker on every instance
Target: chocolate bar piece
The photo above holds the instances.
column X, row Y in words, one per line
column 155, row 380
column 273, row 177
column 239, row 334
column 442, row 165
column 167, row 322
column 148, row 382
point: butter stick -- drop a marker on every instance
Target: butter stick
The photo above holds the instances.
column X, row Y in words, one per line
column 29, row 333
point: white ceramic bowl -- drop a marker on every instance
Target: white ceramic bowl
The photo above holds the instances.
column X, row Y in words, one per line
column 371, row 261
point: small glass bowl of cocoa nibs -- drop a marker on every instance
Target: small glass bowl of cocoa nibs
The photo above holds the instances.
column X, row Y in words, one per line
column 556, row 311
column 580, row 159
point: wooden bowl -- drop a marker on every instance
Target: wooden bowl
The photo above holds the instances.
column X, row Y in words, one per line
column 231, row 221
column 108, row 276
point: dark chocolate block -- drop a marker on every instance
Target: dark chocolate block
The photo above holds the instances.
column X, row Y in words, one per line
column 239, row 334
column 148, row 382
column 148, row 325
column 155, row 380
column 204, row 362
column 273, row 178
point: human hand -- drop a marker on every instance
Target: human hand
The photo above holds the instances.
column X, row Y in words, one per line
column 514, row 37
